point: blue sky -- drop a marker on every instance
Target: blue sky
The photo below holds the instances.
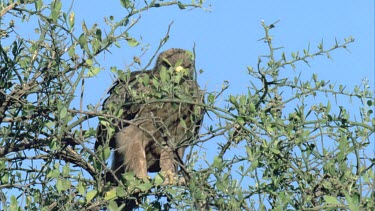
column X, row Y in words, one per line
column 226, row 38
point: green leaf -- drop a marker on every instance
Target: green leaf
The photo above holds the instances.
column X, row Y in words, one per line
column 369, row 103
column 328, row 107
column 63, row 112
column 13, row 203
column 113, row 69
column 132, row 42
column 254, row 165
column 126, row 3
column 95, row 43
column 72, row 51
column 98, row 34
column 5, row 178
column 107, row 153
column 232, row 99
column 211, row 98
column 90, row 195
column 71, row 19
column 110, row 194
column 59, row 185
column 242, row 100
column 217, row 163
column 120, row 192
column 146, row 79
column 276, row 151
column 49, row 125
column 158, row 180
column 183, row 124
column 252, row 108
column 80, row 188
column 82, row 40
column 181, row 5
column 66, row 171
column 55, row 10
column 113, row 206
column 331, row 200
column 164, row 76
column 240, row 120
column 89, row 62
column 39, row 4
column 93, row 71
column 353, row 201
column 145, row 186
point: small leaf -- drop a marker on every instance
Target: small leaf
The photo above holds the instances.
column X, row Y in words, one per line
column 217, row 163
column 113, row 205
column 113, row 69
column 39, row 4
column 254, row 164
column 80, row 188
column 55, row 10
column 181, row 6
column 66, row 171
column 276, row 151
column 71, row 19
column 145, row 186
column 331, row 200
column 164, row 74
column 146, row 79
column 110, row 194
column 125, row 3
column 93, row 71
column 82, row 40
column 72, row 51
column 120, row 192
column 107, row 153
column 183, row 124
column 158, row 180
column 132, row 42
column 89, row 62
column 211, row 98
column 328, row 107
column 252, row 108
column 59, row 185
column 98, row 34
column 240, row 120
column 63, row 112
column 90, row 195
column 5, row 178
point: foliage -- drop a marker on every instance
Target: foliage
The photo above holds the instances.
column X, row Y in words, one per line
column 294, row 149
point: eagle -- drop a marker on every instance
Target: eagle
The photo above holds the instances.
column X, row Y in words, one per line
column 151, row 116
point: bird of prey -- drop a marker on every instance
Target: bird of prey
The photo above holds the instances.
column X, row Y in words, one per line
column 152, row 116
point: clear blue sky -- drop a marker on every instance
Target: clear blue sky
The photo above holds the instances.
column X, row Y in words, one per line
column 227, row 39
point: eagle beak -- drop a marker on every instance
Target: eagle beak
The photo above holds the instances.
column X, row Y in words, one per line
column 179, row 68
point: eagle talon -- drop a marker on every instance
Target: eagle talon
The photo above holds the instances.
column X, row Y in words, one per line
column 168, row 177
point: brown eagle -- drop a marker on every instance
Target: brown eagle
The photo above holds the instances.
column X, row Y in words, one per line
column 153, row 115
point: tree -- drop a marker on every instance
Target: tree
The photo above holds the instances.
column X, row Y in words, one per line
column 291, row 152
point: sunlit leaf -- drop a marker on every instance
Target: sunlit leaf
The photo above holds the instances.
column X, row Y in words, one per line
column 90, row 195
column 132, row 42
column 110, row 194
column 125, row 3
